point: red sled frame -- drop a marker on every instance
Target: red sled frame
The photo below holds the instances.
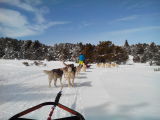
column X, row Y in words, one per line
column 77, row 115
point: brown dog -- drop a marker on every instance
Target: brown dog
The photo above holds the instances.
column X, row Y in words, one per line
column 54, row 75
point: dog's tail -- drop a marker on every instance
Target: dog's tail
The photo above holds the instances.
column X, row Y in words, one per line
column 47, row 71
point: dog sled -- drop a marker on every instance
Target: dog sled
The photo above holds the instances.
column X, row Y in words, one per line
column 88, row 65
column 75, row 115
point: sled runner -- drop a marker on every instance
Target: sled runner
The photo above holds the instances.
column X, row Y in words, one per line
column 76, row 115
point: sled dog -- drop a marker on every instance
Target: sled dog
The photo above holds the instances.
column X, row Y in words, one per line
column 98, row 65
column 84, row 67
column 78, row 69
column 54, row 75
column 68, row 65
column 69, row 74
column 108, row 65
column 64, row 69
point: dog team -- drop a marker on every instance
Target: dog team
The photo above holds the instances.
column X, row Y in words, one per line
column 69, row 72
column 107, row 65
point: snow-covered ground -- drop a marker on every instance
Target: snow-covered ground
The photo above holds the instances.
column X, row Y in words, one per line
column 128, row 92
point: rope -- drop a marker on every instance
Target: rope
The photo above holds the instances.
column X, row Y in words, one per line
column 56, row 103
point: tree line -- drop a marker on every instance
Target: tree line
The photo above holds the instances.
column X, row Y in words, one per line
column 104, row 51
column 143, row 52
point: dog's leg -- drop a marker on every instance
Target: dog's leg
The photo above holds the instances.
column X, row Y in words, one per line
column 50, row 80
column 64, row 75
column 73, row 77
column 55, row 82
column 50, row 83
column 69, row 81
column 61, row 82
column 73, row 82
column 76, row 73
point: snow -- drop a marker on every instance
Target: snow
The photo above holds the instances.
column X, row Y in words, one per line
column 130, row 60
column 127, row 92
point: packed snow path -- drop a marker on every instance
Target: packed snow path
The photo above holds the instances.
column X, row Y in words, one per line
column 128, row 92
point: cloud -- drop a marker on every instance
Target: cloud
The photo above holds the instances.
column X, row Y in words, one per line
column 139, row 4
column 15, row 24
column 42, row 27
column 19, row 4
column 125, row 19
column 84, row 25
column 133, row 30
column 20, row 32
column 29, row 6
column 128, row 18
column 136, row 18
column 34, row 2
column 12, row 18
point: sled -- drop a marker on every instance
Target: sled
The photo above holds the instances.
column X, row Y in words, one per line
column 88, row 66
column 75, row 115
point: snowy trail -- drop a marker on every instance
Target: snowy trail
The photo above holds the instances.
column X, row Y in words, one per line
column 126, row 92
column 28, row 86
column 133, row 93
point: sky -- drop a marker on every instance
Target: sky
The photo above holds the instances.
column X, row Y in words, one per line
column 86, row 21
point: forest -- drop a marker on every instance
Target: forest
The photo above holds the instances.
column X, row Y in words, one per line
column 104, row 51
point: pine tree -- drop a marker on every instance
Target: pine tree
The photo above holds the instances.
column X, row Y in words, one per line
column 127, row 47
column 156, row 58
column 126, row 44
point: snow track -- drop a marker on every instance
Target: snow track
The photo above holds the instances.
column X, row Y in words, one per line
column 126, row 92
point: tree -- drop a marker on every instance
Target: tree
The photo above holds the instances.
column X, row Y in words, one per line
column 156, row 58
column 108, row 52
column 127, row 47
column 89, row 52
column 126, row 44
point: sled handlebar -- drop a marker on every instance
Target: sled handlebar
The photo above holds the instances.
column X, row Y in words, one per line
column 77, row 116
column 17, row 116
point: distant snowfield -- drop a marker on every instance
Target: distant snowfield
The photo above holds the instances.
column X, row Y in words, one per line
column 129, row 92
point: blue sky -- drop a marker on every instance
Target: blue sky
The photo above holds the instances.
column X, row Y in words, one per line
column 86, row 21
